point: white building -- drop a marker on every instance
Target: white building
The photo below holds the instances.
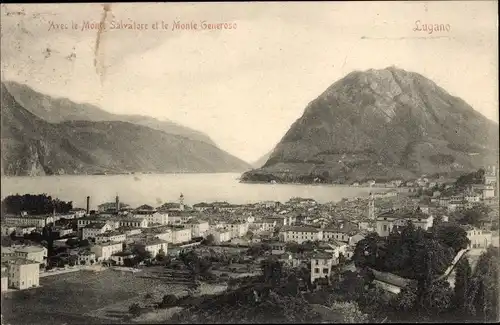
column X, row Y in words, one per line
column 8, row 230
column 265, row 225
column 278, row 248
column 397, row 218
column 478, row 238
column 300, row 234
column 321, row 266
column 86, row 257
column 94, row 229
column 129, row 231
column 5, row 279
column 32, row 253
column 199, row 228
column 220, row 236
column 237, row 229
column 24, row 230
column 104, row 251
column 120, row 257
column 112, row 221
column 343, row 232
column 133, row 222
column 178, row 219
column 22, row 273
column 155, row 217
column 472, row 197
column 61, row 232
column 181, row 235
column 110, row 236
column 78, row 212
column 164, row 234
column 154, row 246
column 28, row 220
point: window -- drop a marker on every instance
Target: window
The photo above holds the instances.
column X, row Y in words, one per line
column 317, row 262
column 385, row 227
column 316, row 270
column 325, row 270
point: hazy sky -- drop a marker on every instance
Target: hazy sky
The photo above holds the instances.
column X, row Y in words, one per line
column 244, row 87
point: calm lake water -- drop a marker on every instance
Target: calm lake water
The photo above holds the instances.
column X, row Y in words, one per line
column 155, row 189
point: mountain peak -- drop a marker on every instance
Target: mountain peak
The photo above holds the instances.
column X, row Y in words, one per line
column 33, row 146
column 384, row 123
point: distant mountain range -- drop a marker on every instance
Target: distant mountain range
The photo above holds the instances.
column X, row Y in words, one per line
column 42, row 135
column 381, row 125
column 262, row 160
column 57, row 110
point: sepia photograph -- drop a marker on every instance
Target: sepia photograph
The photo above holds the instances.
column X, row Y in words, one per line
column 249, row 162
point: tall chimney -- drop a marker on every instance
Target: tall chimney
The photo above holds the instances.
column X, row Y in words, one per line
column 88, row 205
column 117, row 204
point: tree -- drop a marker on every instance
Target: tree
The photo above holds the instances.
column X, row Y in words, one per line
column 250, row 235
column 259, row 249
column 475, row 216
column 406, row 300
column 161, row 255
column 483, row 287
column 349, row 312
column 134, row 309
column 342, row 259
column 438, row 298
column 209, row 240
column 72, row 242
column 462, row 278
column 196, row 265
column 271, row 271
column 141, row 253
column 453, row 236
column 129, row 262
column 168, row 301
column 368, row 250
column 351, row 285
column 84, row 243
column 34, row 204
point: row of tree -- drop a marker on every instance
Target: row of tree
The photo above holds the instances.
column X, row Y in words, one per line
column 411, row 252
column 474, row 297
column 35, row 204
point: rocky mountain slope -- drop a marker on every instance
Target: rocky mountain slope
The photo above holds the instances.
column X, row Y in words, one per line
column 33, row 146
column 381, row 124
column 56, row 110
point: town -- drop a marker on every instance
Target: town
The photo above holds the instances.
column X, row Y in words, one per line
column 189, row 253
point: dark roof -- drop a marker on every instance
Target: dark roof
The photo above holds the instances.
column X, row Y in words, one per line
column 346, row 228
column 145, row 207
column 300, row 229
column 169, row 205
column 96, row 225
column 202, row 204
column 403, row 214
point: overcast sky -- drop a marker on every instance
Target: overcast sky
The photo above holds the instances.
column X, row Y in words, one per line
column 245, row 87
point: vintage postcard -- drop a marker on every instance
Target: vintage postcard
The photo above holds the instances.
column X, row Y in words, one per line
column 249, row 162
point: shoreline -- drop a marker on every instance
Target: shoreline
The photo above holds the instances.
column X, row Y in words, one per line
column 123, row 174
column 324, row 184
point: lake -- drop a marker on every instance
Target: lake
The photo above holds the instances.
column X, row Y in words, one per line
column 156, row 189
